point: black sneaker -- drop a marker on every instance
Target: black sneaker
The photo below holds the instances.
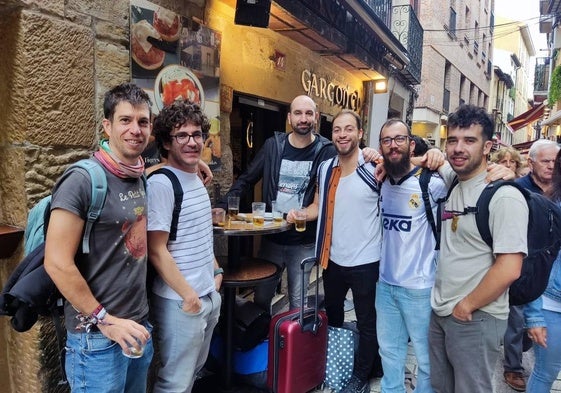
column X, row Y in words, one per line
column 355, row 385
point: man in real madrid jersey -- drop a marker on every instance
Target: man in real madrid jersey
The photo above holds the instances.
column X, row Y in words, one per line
column 408, row 260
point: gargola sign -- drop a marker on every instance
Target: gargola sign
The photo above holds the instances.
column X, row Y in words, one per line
column 324, row 89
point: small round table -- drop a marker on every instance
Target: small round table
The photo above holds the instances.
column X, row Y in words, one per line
column 240, row 273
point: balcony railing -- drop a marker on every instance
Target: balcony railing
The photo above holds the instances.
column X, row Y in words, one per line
column 382, row 9
column 407, row 29
column 541, row 74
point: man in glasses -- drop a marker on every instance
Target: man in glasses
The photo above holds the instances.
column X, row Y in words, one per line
column 470, row 295
column 408, row 260
column 185, row 302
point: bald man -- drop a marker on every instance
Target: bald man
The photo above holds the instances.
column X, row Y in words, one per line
column 287, row 163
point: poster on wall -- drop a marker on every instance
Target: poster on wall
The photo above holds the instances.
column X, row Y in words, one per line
column 173, row 57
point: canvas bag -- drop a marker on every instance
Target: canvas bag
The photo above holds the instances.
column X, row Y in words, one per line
column 340, row 357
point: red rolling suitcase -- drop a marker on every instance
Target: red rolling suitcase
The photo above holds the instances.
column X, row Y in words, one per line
column 298, row 347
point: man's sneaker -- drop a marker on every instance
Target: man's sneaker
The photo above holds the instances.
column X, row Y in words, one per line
column 515, row 381
column 355, row 385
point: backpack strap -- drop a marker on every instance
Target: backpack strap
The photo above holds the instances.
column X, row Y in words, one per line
column 99, row 192
column 482, row 205
column 424, row 180
column 178, row 198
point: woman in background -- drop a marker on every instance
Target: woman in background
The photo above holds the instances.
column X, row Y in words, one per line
column 509, row 157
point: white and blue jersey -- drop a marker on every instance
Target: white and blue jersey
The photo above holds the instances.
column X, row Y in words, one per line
column 408, row 255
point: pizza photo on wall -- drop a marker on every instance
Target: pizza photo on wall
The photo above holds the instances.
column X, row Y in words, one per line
column 154, row 38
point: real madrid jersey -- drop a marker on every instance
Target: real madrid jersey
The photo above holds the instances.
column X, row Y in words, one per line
column 408, row 255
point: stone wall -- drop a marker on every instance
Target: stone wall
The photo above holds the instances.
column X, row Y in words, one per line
column 57, row 58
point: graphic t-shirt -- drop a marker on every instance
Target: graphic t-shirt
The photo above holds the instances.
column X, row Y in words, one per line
column 294, row 176
column 115, row 268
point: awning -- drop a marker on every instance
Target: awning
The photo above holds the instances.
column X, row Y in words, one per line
column 553, row 119
column 526, row 118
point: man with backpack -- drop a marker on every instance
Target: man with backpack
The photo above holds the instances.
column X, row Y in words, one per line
column 470, row 296
column 541, row 161
column 106, row 311
column 185, row 303
column 408, row 260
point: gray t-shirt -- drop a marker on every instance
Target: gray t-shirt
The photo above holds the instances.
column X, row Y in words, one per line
column 464, row 257
column 115, row 268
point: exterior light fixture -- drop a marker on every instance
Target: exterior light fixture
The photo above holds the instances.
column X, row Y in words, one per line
column 380, row 86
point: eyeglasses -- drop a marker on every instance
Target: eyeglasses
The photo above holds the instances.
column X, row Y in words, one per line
column 399, row 140
column 183, row 138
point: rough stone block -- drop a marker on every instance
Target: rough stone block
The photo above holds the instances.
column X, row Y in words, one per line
column 116, row 11
column 59, row 73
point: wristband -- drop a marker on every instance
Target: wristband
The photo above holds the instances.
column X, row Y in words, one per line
column 218, row 271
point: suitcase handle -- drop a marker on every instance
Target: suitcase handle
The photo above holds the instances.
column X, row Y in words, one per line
column 314, row 325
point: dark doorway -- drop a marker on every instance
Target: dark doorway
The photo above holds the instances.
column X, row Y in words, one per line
column 252, row 121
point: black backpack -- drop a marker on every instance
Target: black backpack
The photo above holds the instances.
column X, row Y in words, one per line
column 544, row 240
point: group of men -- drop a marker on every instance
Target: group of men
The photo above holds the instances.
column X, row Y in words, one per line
column 445, row 301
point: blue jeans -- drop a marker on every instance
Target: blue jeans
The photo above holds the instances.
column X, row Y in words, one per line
column 95, row 363
column 463, row 353
column 402, row 314
column 288, row 256
column 362, row 281
column 548, row 360
column 183, row 339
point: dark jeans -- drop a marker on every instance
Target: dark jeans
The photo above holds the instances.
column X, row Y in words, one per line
column 362, row 281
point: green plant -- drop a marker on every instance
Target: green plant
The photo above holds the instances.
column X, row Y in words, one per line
column 554, row 87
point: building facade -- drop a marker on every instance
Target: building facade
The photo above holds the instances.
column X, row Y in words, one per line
column 457, row 62
column 512, row 54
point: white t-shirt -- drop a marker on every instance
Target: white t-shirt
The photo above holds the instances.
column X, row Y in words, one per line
column 356, row 237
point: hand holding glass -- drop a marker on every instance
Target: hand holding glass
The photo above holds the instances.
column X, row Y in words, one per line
column 134, row 353
column 300, row 220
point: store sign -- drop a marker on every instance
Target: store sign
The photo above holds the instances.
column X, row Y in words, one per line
column 324, row 89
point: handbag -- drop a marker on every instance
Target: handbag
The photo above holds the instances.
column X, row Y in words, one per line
column 340, row 357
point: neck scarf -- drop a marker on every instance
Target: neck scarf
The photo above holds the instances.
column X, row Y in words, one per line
column 120, row 169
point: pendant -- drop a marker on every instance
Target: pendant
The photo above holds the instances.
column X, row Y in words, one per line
column 455, row 223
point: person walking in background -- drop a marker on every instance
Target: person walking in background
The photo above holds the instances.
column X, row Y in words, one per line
column 508, row 157
column 106, row 309
column 541, row 158
column 470, row 295
column 287, row 165
column 408, row 261
column 185, row 303
column 348, row 241
column 543, row 315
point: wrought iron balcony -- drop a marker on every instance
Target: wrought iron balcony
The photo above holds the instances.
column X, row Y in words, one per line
column 541, row 74
column 405, row 26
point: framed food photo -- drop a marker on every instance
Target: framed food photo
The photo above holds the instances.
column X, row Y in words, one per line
column 173, row 57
